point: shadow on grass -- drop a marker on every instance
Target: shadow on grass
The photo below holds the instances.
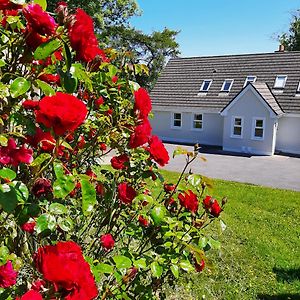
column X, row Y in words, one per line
column 287, row 275
column 279, row 297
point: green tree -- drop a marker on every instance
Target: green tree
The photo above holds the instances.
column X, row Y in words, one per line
column 291, row 39
column 112, row 24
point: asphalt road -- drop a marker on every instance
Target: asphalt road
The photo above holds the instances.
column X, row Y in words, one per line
column 274, row 171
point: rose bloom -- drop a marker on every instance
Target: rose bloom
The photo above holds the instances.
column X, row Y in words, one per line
column 50, row 78
column 29, row 227
column 31, row 295
column 6, row 4
column 62, row 112
column 11, row 155
column 41, row 187
column 142, row 103
column 118, row 162
column 8, row 275
column 158, row 151
column 63, row 265
column 39, row 20
column 30, row 104
column 212, row 206
column 33, row 39
column 107, row 241
column 42, row 139
column 141, row 134
column 82, row 37
column 126, row 193
column 189, row 200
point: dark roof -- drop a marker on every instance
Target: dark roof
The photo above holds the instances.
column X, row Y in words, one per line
column 181, row 79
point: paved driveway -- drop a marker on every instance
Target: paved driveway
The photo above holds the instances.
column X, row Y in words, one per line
column 274, row 171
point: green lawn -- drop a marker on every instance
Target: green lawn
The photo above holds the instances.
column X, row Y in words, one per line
column 260, row 253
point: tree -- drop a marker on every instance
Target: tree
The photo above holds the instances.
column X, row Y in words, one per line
column 291, row 39
column 112, row 24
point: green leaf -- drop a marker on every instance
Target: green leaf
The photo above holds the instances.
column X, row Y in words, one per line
column 67, row 55
column 105, row 268
column 140, row 263
column 44, row 222
column 88, row 195
column 186, row 266
column 66, row 224
column 194, row 179
column 214, row 244
column 81, row 74
column 3, row 141
column 4, row 253
column 45, row 87
column 175, row 271
column 8, row 198
column 2, row 63
column 46, row 49
column 122, row 262
column 68, row 81
column 158, row 214
column 63, row 184
column 156, row 269
column 42, row 3
column 57, row 209
column 8, row 174
column 21, row 190
column 19, row 87
column 179, row 151
column 40, row 159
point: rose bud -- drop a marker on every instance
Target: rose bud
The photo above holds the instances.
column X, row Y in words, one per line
column 168, row 187
column 143, row 221
column 114, row 79
column 102, row 146
column 100, row 189
column 29, row 227
column 41, row 187
column 107, row 241
column 99, row 102
column 200, row 267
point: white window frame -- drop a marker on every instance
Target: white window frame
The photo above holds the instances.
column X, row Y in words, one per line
column 193, row 122
column 223, row 85
column 298, row 88
column 280, row 87
column 247, row 79
column 202, row 85
column 257, row 138
column 173, row 119
column 232, row 135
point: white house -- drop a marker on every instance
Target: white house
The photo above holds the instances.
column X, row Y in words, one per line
column 243, row 103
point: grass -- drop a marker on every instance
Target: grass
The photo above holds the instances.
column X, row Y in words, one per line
column 260, row 253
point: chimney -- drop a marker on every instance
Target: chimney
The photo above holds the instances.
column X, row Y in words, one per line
column 281, row 48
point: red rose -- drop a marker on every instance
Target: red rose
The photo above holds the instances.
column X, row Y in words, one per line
column 126, row 193
column 107, row 241
column 99, row 102
column 140, row 135
column 158, row 151
column 31, row 295
column 43, row 139
column 64, row 266
column 33, row 39
column 200, row 267
column 8, row 275
column 83, row 39
column 189, row 201
column 114, row 79
column 169, row 187
column 143, row 221
column 30, row 104
column 62, row 112
column 118, row 162
column 102, row 146
column 11, row 155
column 29, row 227
column 50, row 78
column 41, row 187
column 142, row 103
column 212, row 206
column 39, row 20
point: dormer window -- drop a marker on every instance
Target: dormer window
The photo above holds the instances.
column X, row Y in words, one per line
column 205, row 85
column 227, row 84
column 249, row 79
column 280, row 81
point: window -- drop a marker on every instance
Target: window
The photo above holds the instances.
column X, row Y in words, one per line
column 249, row 79
column 176, row 120
column 227, row 84
column 237, row 127
column 197, row 121
column 280, row 81
column 258, row 129
column 205, row 85
column 298, row 89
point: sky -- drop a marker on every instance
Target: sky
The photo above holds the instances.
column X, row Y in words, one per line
column 217, row 27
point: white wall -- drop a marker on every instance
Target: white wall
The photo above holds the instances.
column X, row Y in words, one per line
column 249, row 106
column 288, row 134
column 211, row 134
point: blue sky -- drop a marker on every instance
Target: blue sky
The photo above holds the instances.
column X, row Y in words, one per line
column 216, row 27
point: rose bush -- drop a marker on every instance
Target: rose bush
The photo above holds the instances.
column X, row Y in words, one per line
column 71, row 226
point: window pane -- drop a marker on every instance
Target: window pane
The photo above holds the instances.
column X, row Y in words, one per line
column 259, row 132
column 177, row 116
column 259, row 123
column 198, row 117
column 227, row 85
column 238, row 121
column 198, row 125
column 280, row 81
column 177, row 123
column 206, row 85
column 237, row 130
